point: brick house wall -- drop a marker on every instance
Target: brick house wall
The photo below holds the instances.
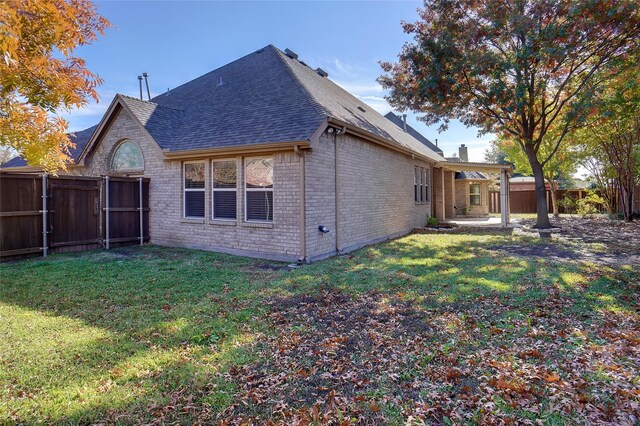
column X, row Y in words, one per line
column 375, row 198
column 279, row 240
column 462, row 197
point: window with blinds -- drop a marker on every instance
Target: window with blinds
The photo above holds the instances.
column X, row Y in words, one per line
column 474, row 194
column 193, row 190
column 421, row 185
column 224, row 191
column 258, row 189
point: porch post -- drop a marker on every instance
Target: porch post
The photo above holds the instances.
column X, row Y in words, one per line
column 504, row 197
column 441, row 212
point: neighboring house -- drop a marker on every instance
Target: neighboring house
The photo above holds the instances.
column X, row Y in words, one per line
column 267, row 157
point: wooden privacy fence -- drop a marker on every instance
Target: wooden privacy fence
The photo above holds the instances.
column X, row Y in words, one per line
column 42, row 214
column 525, row 201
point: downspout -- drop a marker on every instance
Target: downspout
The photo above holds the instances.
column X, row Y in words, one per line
column 303, row 212
column 337, row 189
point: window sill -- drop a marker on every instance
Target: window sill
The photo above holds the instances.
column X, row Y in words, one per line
column 223, row 222
column 191, row 220
column 258, row 224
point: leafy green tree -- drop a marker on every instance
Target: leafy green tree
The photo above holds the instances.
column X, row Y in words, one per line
column 610, row 140
column 39, row 76
column 513, row 68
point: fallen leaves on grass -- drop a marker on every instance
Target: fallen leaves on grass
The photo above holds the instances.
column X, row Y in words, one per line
column 378, row 358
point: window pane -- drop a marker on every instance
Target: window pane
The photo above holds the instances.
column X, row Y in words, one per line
column 224, row 174
column 194, row 175
column 259, row 173
column 194, row 204
column 260, row 205
column 224, row 204
column 127, row 157
column 474, row 188
column 475, row 200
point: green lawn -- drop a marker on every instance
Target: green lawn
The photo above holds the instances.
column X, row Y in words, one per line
column 445, row 328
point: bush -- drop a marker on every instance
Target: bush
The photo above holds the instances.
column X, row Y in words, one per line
column 589, row 205
column 568, row 203
column 431, row 221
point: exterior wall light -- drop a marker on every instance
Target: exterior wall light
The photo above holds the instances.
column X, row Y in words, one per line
column 323, row 229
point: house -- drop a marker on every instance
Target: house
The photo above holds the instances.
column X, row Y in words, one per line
column 268, row 157
column 470, row 189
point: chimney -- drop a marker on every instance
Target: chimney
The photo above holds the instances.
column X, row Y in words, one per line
column 404, row 122
column 463, row 154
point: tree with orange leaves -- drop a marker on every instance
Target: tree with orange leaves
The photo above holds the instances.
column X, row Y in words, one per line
column 39, row 76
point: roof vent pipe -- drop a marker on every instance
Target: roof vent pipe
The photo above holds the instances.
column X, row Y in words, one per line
column 145, row 75
column 436, row 142
column 404, row 122
column 290, row 54
column 140, row 83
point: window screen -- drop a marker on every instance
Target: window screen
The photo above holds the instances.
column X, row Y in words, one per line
column 224, row 176
column 194, row 190
column 259, row 189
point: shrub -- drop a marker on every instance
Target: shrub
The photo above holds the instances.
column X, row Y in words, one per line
column 589, row 205
column 431, row 221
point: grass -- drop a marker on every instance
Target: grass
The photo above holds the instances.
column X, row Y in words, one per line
column 157, row 334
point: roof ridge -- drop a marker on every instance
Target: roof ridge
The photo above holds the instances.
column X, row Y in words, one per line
column 314, row 102
column 149, row 102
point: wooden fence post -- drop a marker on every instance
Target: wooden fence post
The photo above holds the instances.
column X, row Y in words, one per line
column 141, row 215
column 45, row 240
column 106, row 209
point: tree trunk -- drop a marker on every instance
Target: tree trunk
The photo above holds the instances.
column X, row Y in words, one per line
column 542, row 210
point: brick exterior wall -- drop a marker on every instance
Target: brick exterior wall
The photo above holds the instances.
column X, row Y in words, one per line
column 279, row 240
column 462, row 197
column 375, row 195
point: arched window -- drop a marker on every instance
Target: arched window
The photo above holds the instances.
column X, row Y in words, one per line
column 127, row 157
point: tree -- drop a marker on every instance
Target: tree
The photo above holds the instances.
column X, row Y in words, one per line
column 39, row 76
column 611, row 138
column 513, row 68
column 561, row 166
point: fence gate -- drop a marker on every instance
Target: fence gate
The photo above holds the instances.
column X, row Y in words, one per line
column 41, row 214
column 73, row 213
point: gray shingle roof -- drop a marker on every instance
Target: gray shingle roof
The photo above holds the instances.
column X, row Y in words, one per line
column 398, row 121
column 263, row 97
column 470, row 175
column 79, row 138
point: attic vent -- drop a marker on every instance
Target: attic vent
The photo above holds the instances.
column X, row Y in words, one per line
column 322, row 73
column 362, row 109
column 290, row 54
column 259, row 50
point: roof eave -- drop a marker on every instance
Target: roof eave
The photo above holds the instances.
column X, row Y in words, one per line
column 234, row 150
column 381, row 141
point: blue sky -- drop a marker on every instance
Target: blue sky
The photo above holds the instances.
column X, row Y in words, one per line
column 177, row 41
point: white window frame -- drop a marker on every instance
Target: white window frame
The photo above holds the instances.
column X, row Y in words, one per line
column 479, row 194
column 214, row 189
column 185, row 189
column 246, row 190
column 421, row 185
column 416, row 184
column 427, row 184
